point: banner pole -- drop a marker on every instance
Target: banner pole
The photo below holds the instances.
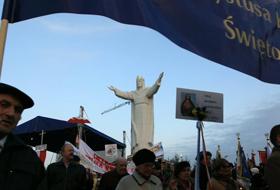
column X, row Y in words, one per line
column 42, row 136
column 3, row 37
column 196, row 183
column 204, row 155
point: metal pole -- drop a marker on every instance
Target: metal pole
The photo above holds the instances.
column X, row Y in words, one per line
column 196, row 183
column 42, row 136
column 80, row 126
column 3, row 37
column 124, row 140
column 82, row 109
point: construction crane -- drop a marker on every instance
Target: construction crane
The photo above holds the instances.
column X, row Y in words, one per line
column 124, row 133
column 116, row 107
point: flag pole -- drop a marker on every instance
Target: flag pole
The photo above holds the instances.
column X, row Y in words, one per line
column 204, row 154
column 124, row 142
column 238, row 159
column 80, row 126
column 42, row 136
column 3, row 37
column 196, row 183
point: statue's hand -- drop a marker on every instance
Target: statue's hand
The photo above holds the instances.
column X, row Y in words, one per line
column 160, row 77
column 112, row 88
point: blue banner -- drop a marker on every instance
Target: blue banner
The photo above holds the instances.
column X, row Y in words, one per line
column 240, row 34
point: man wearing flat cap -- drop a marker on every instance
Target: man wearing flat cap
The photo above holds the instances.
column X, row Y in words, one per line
column 272, row 169
column 142, row 177
column 20, row 167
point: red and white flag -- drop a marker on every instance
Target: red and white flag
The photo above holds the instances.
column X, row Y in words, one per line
column 97, row 163
column 41, row 151
column 90, row 159
column 263, row 156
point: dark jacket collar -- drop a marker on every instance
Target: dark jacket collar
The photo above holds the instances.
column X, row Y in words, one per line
column 13, row 142
column 71, row 164
column 276, row 148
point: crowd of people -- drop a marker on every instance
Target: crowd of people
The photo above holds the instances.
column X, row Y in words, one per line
column 21, row 169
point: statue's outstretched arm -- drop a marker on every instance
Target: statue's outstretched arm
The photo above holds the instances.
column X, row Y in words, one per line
column 155, row 87
column 121, row 94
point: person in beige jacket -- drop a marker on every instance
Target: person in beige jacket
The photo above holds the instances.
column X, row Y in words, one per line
column 142, row 178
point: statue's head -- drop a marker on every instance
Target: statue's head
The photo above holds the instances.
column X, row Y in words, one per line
column 140, row 82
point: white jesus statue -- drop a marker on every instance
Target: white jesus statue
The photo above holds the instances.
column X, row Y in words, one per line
column 142, row 113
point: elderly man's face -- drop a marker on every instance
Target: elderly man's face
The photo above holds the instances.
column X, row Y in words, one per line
column 121, row 165
column 68, row 152
column 10, row 113
column 146, row 169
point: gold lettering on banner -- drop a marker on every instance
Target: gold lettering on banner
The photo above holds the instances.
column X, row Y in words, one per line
column 277, row 20
column 249, row 40
column 248, row 37
column 267, row 49
column 261, row 46
column 230, row 1
column 257, row 10
column 266, row 15
column 242, row 37
column 251, row 7
column 231, row 34
column 275, row 53
column 253, row 39
column 238, row 3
